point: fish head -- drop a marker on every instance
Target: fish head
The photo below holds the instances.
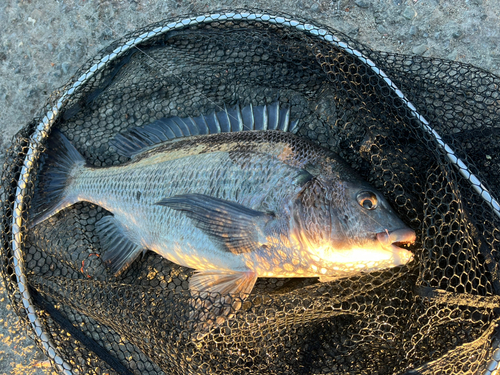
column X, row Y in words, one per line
column 347, row 226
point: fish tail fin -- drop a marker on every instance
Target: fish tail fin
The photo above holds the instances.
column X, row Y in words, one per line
column 51, row 195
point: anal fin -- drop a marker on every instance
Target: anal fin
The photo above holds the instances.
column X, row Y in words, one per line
column 119, row 250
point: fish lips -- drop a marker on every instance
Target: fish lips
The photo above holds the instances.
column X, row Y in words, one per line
column 391, row 240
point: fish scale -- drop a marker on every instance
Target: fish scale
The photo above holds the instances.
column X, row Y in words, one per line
column 155, row 183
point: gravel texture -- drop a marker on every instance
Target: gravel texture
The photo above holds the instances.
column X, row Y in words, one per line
column 42, row 43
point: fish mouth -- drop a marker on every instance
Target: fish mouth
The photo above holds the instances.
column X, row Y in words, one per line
column 397, row 238
column 393, row 241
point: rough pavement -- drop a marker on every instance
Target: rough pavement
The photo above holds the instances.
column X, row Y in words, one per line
column 42, row 43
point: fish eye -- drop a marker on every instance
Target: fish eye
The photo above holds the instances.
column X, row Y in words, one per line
column 367, row 199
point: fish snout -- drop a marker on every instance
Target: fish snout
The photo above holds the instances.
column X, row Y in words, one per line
column 391, row 240
column 397, row 237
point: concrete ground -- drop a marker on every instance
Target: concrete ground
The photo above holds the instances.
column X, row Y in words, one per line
column 42, row 43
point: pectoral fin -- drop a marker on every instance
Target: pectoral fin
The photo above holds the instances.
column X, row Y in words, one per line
column 119, row 250
column 236, row 228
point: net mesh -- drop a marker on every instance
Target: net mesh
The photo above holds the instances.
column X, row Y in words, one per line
column 437, row 314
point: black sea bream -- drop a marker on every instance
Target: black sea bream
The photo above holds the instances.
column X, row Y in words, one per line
column 234, row 205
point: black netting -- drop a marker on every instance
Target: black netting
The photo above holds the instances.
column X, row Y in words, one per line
column 437, row 314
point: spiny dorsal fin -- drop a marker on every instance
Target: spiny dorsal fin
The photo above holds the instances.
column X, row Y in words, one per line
column 234, row 119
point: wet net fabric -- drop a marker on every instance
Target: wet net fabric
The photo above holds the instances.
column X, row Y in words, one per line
column 437, row 314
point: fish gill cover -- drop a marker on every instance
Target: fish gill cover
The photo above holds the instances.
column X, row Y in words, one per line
column 424, row 132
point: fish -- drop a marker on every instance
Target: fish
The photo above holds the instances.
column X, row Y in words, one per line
column 234, row 195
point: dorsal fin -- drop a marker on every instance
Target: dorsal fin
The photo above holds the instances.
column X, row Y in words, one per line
column 234, row 119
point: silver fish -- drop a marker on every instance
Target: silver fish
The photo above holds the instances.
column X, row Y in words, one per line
column 231, row 203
